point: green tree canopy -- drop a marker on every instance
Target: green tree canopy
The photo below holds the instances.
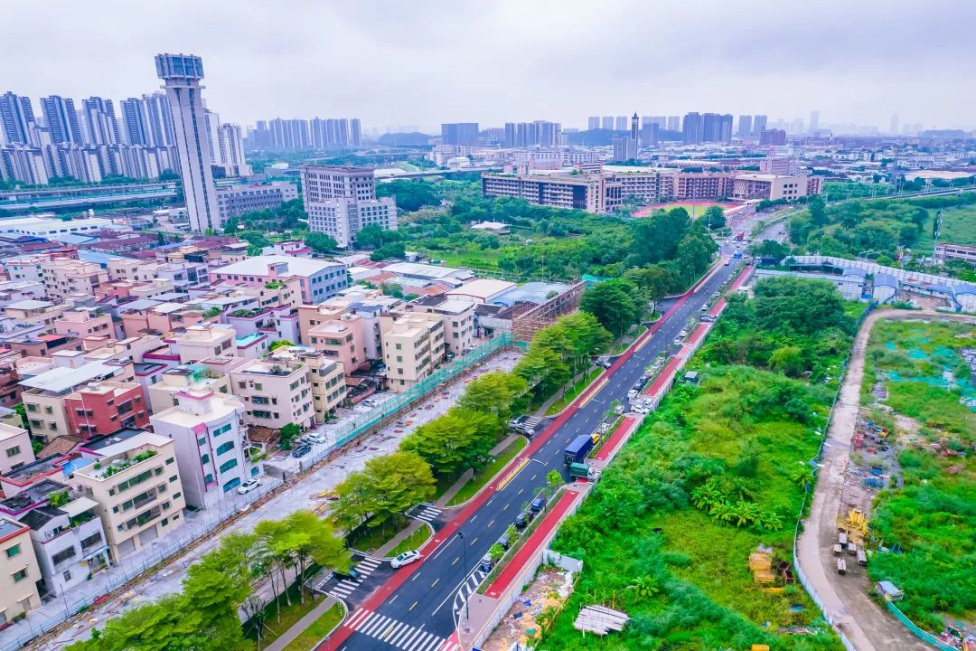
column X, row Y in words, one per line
column 386, row 487
column 617, row 304
column 320, row 242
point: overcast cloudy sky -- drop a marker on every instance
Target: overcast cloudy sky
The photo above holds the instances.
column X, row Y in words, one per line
column 421, row 63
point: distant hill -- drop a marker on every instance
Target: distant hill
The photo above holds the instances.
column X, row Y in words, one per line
column 413, row 139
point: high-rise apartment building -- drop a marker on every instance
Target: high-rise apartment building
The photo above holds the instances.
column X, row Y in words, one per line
column 758, row 126
column 620, row 123
column 725, row 128
column 341, row 201
column 182, row 74
column 62, row 120
column 814, row 121
column 593, row 123
column 17, row 118
column 100, row 124
column 692, row 128
column 772, row 137
column 355, row 133
column 459, row 133
column 674, row 123
column 607, row 123
column 745, row 126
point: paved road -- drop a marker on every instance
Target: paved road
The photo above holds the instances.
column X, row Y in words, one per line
column 417, row 609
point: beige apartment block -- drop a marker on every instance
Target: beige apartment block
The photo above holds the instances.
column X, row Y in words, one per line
column 36, row 312
column 84, row 322
column 15, row 448
column 275, row 392
column 203, row 340
column 64, row 277
column 458, row 317
column 341, row 340
column 131, row 269
column 413, row 346
column 327, row 377
column 19, row 571
column 135, row 480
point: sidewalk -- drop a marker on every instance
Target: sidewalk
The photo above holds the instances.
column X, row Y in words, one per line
column 301, row 625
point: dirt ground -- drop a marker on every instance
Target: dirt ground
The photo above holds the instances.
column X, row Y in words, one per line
column 550, row 588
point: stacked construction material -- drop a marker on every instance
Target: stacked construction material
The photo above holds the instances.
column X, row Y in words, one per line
column 600, row 620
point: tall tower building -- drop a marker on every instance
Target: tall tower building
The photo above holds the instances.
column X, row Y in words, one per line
column 745, row 126
column 101, row 125
column 814, row 121
column 634, row 128
column 607, row 123
column 758, row 125
column 894, row 123
column 182, row 74
column 692, row 128
column 17, row 117
column 62, row 120
column 593, row 123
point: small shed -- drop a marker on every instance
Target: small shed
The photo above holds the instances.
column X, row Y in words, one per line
column 889, row 591
column 691, row 377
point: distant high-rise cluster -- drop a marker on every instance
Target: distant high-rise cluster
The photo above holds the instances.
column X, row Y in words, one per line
column 317, row 133
column 459, row 133
column 540, row 133
column 91, row 141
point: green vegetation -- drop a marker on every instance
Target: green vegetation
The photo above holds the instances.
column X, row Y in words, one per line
column 311, row 636
column 617, row 304
column 280, row 343
column 932, row 517
column 958, row 227
column 203, row 616
column 413, row 541
column 288, row 216
column 570, row 393
column 368, row 540
column 716, row 472
column 486, row 474
column 287, row 434
column 320, row 243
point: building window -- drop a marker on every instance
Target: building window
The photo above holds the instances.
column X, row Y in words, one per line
column 228, row 465
column 19, row 576
column 13, row 551
column 225, row 447
column 14, row 451
column 205, row 458
column 208, row 479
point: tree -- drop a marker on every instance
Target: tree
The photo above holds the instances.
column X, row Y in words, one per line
column 799, row 305
column 287, row 434
column 617, row 305
column 818, row 212
column 458, row 440
column 320, row 242
column 389, row 250
column 386, row 487
column 309, row 539
column 788, row 360
column 714, row 217
column 274, row 557
column 493, row 393
column 280, row 343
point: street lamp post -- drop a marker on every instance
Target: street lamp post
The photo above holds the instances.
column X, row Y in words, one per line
column 464, row 557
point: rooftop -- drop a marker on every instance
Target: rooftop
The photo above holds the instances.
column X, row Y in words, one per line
column 9, row 527
column 29, row 304
column 102, row 443
column 483, row 287
column 419, row 270
column 62, row 379
column 258, row 266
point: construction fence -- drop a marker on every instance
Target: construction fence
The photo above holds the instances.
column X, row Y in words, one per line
column 375, row 418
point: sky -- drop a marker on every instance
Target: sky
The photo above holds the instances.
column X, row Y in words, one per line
column 493, row 61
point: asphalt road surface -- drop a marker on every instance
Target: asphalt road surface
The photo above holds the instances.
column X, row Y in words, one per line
column 418, row 610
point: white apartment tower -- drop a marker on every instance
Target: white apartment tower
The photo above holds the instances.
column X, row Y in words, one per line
column 182, row 74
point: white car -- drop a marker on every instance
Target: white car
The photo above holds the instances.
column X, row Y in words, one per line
column 641, row 409
column 315, row 438
column 632, row 393
column 406, row 558
column 248, row 486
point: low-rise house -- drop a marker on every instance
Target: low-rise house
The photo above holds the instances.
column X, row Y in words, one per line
column 458, row 318
column 327, row 377
column 413, row 346
column 209, row 437
column 33, row 311
column 275, row 393
column 15, row 448
column 203, row 340
column 101, row 408
column 19, row 571
column 135, row 481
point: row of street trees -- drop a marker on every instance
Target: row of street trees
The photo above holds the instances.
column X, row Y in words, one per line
column 204, row 615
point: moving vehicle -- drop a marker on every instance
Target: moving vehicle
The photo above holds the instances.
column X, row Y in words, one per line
column 740, row 236
column 406, row 558
column 301, row 450
column 576, row 451
column 579, row 471
column 247, row 486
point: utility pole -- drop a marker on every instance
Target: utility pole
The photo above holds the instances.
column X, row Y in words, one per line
column 464, row 556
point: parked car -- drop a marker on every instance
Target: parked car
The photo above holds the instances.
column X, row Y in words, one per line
column 707, row 318
column 641, row 409
column 406, row 558
column 632, row 393
column 522, row 520
column 504, row 541
column 537, row 504
column 301, row 450
column 248, row 485
column 315, row 438
column 486, row 563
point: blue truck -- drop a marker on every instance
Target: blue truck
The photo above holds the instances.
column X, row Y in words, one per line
column 576, row 451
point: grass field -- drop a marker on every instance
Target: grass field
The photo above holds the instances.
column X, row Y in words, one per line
column 413, row 541
column 931, row 518
column 697, row 207
column 958, row 227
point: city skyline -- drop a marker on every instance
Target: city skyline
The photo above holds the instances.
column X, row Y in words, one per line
column 684, row 66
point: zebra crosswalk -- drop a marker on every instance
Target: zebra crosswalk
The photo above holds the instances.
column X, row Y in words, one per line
column 396, row 633
column 347, row 586
column 425, row 513
column 469, row 586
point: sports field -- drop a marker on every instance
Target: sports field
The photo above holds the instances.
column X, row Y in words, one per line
column 696, row 208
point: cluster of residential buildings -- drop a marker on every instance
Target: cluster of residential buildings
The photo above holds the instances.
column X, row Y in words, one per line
column 143, row 380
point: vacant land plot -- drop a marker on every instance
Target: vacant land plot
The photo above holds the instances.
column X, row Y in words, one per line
column 958, row 227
